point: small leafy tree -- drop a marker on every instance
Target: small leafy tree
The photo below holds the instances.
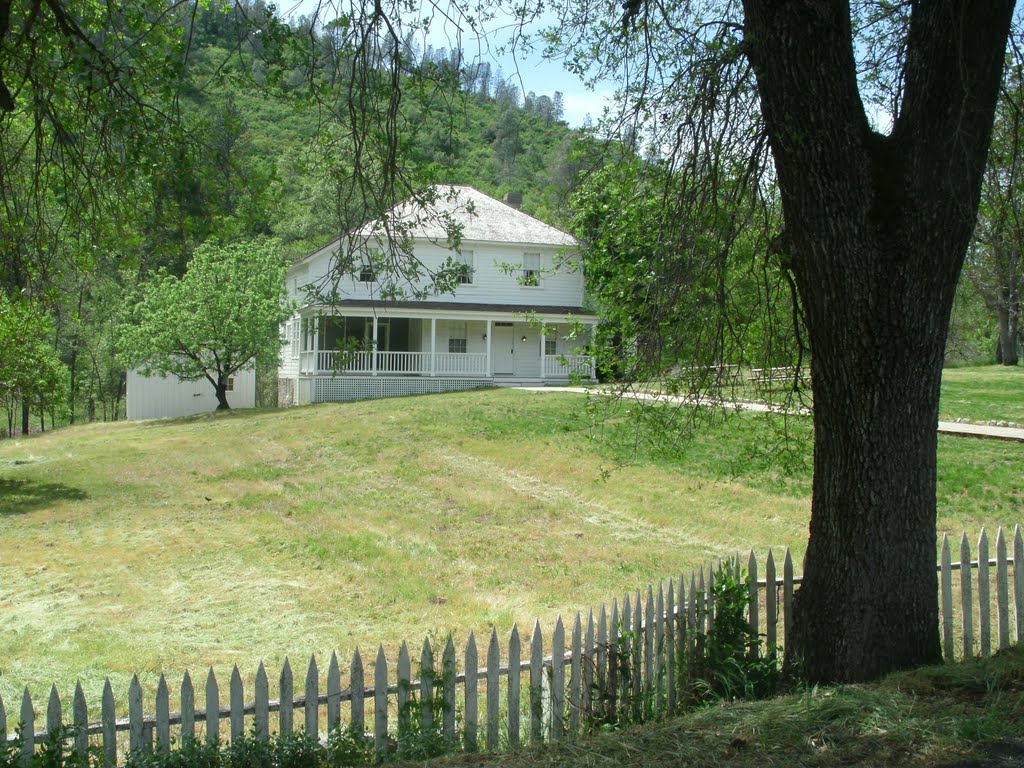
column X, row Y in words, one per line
column 30, row 369
column 220, row 317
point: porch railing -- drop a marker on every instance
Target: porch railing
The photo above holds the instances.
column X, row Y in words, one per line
column 461, row 363
column 568, row 365
column 409, row 363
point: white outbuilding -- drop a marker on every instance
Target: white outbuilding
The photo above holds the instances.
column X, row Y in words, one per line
column 161, row 397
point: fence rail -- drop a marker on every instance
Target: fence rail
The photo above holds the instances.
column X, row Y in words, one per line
column 622, row 662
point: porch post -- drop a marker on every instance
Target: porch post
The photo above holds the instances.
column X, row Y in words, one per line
column 543, row 334
column 490, row 372
column 373, row 350
column 590, row 348
column 316, row 345
column 433, row 342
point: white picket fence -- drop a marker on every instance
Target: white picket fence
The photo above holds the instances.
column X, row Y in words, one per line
column 619, row 663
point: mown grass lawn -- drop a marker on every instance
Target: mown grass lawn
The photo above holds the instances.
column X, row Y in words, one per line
column 227, row 539
column 990, row 393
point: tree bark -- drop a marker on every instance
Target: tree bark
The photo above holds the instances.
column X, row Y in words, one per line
column 221, row 389
column 1007, row 343
column 876, row 228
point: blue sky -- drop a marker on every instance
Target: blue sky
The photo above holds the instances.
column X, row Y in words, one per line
column 526, row 69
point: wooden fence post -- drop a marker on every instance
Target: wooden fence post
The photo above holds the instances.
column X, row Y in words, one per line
column 612, row 688
column 357, row 684
column 109, row 719
column 558, row 681
column 471, row 711
column 658, row 701
column 648, row 650
column 212, row 709
column 946, row 595
column 237, row 701
column 670, row 649
column 261, row 718
column 493, row 693
column 380, row 705
column 448, row 683
column 312, row 703
column 514, row 680
column 536, row 685
column 427, row 688
column 966, row 597
column 135, row 715
column 81, row 719
column 1018, row 582
column 404, row 692
column 1002, row 592
column 984, row 598
column 28, row 733
column 588, row 661
column 333, row 694
column 163, row 718
column 636, row 657
column 286, row 695
column 771, row 607
column 754, row 605
column 787, row 597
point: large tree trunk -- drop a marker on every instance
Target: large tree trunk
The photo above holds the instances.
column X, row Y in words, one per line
column 1006, row 351
column 876, row 231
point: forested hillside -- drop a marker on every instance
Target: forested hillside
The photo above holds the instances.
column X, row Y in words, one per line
column 263, row 137
column 130, row 138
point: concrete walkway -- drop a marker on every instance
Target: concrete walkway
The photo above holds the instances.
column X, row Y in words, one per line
column 983, row 431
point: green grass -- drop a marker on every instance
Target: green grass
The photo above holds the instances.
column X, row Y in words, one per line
column 990, row 393
column 965, row 714
column 227, row 539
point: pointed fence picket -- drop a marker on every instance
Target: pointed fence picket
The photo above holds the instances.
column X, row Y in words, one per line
column 629, row 662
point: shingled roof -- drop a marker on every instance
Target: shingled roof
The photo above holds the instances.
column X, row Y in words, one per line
column 482, row 218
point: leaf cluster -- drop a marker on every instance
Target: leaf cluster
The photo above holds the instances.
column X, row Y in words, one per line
column 221, row 316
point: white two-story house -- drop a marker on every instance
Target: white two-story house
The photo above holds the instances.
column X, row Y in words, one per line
column 515, row 314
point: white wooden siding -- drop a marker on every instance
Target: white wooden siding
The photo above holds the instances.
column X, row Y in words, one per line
column 561, row 286
column 288, row 360
column 161, row 397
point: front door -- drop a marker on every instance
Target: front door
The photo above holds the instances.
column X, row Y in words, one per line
column 503, row 349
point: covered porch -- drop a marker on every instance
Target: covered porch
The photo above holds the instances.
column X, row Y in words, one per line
column 445, row 344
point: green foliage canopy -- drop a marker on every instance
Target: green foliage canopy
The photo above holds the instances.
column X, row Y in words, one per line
column 220, row 317
column 30, row 369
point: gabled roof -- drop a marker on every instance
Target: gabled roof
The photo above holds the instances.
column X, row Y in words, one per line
column 481, row 217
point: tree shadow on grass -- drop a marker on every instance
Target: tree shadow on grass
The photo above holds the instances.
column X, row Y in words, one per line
column 18, row 497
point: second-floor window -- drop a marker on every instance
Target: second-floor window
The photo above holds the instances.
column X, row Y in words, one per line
column 531, row 269
column 367, row 272
column 465, row 262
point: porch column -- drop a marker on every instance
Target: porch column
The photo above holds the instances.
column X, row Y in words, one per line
column 487, row 334
column 590, row 348
column 316, row 345
column 433, row 342
column 373, row 350
column 543, row 334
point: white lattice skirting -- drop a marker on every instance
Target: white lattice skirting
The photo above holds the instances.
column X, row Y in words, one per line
column 372, row 388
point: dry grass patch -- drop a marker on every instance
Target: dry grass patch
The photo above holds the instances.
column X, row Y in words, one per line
column 228, row 539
